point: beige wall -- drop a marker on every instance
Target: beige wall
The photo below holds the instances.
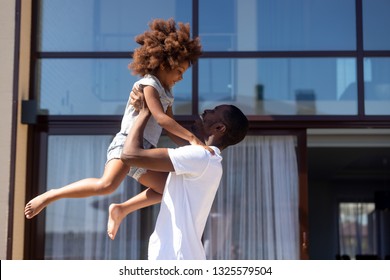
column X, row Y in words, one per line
column 21, row 142
column 7, row 29
column 7, row 45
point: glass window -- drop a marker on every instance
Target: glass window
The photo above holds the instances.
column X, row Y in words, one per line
column 280, row 86
column 240, row 225
column 103, row 25
column 278, row 25
column 375, row 24
column 377, row 86
column 94, row 87
column 77, row 228
column 356, row 229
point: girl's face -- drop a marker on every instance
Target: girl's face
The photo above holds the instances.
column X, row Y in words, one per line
column 169, row 78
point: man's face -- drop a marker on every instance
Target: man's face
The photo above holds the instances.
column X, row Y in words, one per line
column 202, row 127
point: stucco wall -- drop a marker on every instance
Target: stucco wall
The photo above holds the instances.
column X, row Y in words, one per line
column 8, row 138
column 22, row 129
column 7, row 30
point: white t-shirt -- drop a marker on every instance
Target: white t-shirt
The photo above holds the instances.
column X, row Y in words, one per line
column 188, row 196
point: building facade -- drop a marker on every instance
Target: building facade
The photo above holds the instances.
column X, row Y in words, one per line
column 311, row 181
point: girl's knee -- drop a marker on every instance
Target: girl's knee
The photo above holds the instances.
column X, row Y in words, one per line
column 105, row 187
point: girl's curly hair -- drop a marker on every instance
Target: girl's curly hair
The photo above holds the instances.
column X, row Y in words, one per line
column 164, row 45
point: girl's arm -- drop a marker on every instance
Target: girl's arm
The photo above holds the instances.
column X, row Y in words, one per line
column 133, row 153
column 169, row 124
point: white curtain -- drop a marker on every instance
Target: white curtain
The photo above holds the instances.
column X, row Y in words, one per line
column 255, row 213
column 76, row 228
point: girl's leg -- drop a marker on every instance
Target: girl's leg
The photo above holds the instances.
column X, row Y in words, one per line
column 114, row 173
column 155, row 181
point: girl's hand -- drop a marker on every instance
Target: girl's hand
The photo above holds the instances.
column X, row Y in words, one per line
column 196, row 141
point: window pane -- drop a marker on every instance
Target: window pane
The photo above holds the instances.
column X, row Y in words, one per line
column 356, row 229
column 103, row 25
column 278, row 25
column 375, row 24
column 377, row 86
column 94, row 87
column 280, row 86
column 240, row 225
column 77, row 228
column 84, row 86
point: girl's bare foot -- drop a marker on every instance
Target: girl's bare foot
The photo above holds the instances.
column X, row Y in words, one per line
column 34, row 206
column 115, row 217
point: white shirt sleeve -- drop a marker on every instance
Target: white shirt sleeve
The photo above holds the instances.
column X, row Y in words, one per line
column 191, row 160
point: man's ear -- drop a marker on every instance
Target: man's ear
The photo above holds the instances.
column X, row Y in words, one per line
column 220, row 127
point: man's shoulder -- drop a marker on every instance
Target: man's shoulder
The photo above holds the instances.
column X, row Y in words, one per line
column 194, row 151
column 193, row 160
column 190, row 149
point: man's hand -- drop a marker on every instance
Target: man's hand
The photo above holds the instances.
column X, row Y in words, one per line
column 137, row 98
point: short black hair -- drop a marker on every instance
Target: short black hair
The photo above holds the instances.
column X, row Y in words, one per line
column 237, row 126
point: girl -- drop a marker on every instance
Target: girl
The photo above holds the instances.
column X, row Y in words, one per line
column 166, row 52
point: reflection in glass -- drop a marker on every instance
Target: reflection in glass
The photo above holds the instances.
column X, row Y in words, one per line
column 356, row 229
column 376, row 21
column 277, row 25
column 94, row 87
column 84, row 86
column 377, row 86
column 89, row 25
column 183, row 95
column 280, row 86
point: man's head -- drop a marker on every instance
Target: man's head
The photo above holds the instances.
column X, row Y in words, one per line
column 223, row 126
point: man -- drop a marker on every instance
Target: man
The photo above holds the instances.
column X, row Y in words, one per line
column 193, row 180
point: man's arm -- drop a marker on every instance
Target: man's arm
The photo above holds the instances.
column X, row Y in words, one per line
column 134, row 154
